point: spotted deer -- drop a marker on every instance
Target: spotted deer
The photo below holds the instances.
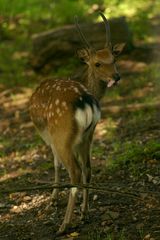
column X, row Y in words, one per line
column 65, row 113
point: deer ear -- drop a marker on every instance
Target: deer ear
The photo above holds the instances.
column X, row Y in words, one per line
column 83, row 54
column 118, row 48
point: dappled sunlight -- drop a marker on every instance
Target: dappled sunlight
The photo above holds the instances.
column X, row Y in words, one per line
column 153, row 39
column 130, row 107
column 13, row 109
column 17, row 97
column 100, row 130
column 132, row 66
column 13, row 103
column 106, row 128
column 21, row 203
column 15, row 174
column 28, row 159
column 139, row 93
column 10, row 169
column 20, row 54
column 30, row 202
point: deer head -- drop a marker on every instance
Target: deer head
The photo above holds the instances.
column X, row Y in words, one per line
column 102, row 70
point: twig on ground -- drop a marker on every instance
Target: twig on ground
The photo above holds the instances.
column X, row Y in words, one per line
column 135, row 194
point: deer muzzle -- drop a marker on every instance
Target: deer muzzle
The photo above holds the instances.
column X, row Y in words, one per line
column 116, row 77
column 113, row 81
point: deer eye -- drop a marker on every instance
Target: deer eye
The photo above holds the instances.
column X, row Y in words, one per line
column 97, row 64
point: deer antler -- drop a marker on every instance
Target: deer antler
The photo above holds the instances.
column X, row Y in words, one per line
column 84, row 40
column 108, row 32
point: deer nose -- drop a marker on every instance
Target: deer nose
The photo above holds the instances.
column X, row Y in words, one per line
column 116, row 77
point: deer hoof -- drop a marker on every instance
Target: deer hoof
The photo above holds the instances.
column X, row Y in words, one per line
column 84, row 217
column 54, row 195
column 54, row 198
column 63, row 228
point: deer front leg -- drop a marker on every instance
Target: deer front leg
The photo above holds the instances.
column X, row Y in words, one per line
column 69, row 211
column 55, row 191
column 86, row 173
column 85, row 156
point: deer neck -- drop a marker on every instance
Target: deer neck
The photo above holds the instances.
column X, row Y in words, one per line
column 95, row 86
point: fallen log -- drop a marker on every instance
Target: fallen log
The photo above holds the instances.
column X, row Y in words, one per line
column 62, row 42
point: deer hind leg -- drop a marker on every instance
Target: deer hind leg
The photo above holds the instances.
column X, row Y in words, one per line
column 75, row 176
column 55, row 191
column 85, row 155
column 86, row 177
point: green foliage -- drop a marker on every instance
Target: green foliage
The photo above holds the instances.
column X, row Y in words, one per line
column 35, row 9
column 97, row 235
column 138, row 14
column 152, row 150
column 12, row 68
column 64, row 10
column 66, row 69
column 4, row 143
column 59, row 12
column 46, row 166
column 32, row 144
column 142, row 80
column 134, row 152
column 98, row 152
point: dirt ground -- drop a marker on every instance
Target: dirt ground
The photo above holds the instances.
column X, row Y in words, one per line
column 130, row 209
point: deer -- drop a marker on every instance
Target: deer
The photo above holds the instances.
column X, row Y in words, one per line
column 65, row 113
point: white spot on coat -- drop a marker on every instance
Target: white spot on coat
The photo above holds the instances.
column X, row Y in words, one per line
column 58, row 88
column 76, row 90
column 57, row 101
column 49, row 114
column 58, row 110
column 64, row 104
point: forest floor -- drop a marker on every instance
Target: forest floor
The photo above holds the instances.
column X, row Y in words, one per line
column 125, row 156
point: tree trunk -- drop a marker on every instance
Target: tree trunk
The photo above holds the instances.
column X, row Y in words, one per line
column 63, row 42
